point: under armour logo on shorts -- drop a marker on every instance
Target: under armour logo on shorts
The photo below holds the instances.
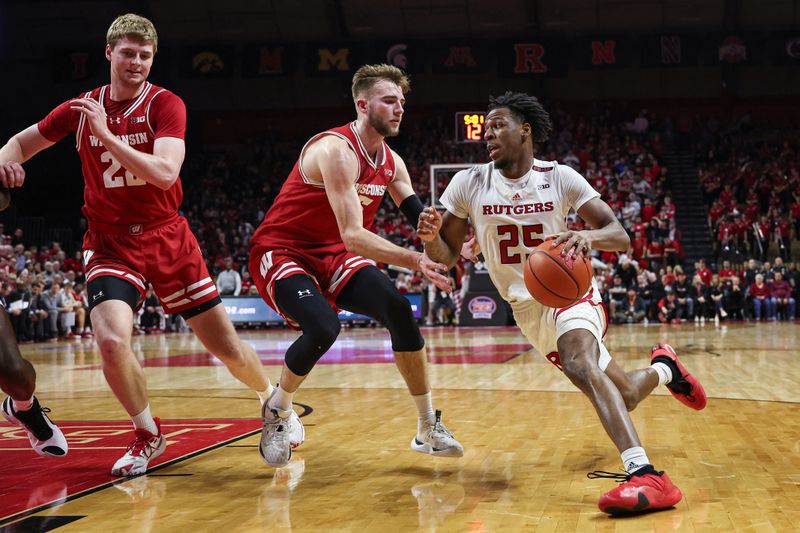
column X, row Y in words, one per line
column 96, row 296
column 304, row 293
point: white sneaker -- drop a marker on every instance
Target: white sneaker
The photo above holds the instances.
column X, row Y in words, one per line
column 275, row 446
column 144, row 448
column 436, row 439
column 297, row 432
column 46, row 439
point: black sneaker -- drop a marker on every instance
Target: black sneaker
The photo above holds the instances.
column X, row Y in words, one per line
column 46, row 439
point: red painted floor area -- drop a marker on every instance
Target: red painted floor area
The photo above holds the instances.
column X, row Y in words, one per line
column 30, row 481
column 495, row 353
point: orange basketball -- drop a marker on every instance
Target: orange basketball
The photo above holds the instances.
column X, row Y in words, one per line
column 552, row 280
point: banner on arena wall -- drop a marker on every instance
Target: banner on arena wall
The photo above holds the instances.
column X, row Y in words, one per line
column 730, row 49
column 785, row 48
column 207, row 62
column 460, row 57
column 74, row 65
column 408, row 55
column 331, row 59
column 669, row 50
column 532, row 58
column 603, row 52
column 264, row 60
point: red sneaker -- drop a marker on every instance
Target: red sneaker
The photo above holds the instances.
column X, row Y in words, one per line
column 643, row 491
column 683, row 386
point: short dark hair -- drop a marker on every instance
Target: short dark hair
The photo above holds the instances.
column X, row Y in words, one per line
column 527, row 109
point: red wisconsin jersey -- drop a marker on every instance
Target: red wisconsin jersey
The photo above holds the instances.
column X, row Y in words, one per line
column 113, row 195
column 302, row 218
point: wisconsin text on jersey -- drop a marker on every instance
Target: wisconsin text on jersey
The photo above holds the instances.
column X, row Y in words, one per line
column 132, row 139
column 370, row 189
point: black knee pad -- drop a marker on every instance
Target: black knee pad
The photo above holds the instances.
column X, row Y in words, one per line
column 299, row 299
column 316, row 339
column 403, row 328
column 370, row 292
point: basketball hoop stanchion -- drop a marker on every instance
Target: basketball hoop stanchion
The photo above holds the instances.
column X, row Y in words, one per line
column 436, row 171
column 481, row 304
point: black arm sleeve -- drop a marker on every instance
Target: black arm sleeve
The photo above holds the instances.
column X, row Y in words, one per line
column 412, row 208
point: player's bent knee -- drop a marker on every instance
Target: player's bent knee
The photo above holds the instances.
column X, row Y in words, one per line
column 326, row 334
column 578, row 368
column 629, row 396
column 402, row 326
column 317, row 338
column 232, row 356
column 112, row 346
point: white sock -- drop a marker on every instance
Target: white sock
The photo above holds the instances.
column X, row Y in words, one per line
column 664, row 372
column 144, row 420
column 281, row 400
column 263, row 395
column 633, row 459
column 23, row 405
column 425, row 409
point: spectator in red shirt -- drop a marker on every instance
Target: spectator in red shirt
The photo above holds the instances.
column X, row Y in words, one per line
column 715, row 213
column 648, row 210
column 794, row 210
column 655, row 254
column 671, row 251
column 761, row 295
column 782, row 293
column 726, row 273
column 704, row 272
column 669, row 311
column 668, row 209
column 638, row 246
column 726, row 197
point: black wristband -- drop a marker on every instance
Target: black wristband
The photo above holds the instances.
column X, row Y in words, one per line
column 412, row 208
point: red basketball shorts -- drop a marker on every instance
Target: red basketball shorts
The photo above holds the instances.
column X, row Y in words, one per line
column 330, row 271
column 168, row 256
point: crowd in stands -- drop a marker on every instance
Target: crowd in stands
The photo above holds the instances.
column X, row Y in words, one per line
column 750, row 176
column 760, row 291
column 227, row 192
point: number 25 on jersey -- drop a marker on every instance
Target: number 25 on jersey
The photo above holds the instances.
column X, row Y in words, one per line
column 530, row 240
column 111, row 179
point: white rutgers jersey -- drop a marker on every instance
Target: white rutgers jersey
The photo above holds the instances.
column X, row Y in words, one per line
column 512, row 217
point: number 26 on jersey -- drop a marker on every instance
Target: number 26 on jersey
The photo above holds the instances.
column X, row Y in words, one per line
column 112, row 178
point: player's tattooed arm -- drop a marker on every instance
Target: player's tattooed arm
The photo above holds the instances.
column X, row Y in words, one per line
column 447, row 244
column 606, row 233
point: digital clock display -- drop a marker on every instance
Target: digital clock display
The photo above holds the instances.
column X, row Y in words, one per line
column 469, row 126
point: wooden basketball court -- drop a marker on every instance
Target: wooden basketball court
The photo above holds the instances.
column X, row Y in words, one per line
column 530, row 439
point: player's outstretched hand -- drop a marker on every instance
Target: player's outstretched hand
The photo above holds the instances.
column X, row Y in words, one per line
column 436, row 272
column 577, row 243
column 11, row 174
column 471, row 249
column 430, row 222
column 94, row 113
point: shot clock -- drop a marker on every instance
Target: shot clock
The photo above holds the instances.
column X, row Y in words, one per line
column 469, row 126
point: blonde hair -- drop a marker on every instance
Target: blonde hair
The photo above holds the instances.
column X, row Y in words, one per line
column 368, row 75
column 132, row 25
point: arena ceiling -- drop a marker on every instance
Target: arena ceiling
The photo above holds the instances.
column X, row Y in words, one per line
column 45, row 22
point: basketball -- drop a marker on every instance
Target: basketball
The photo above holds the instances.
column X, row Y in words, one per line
column 554, row 281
